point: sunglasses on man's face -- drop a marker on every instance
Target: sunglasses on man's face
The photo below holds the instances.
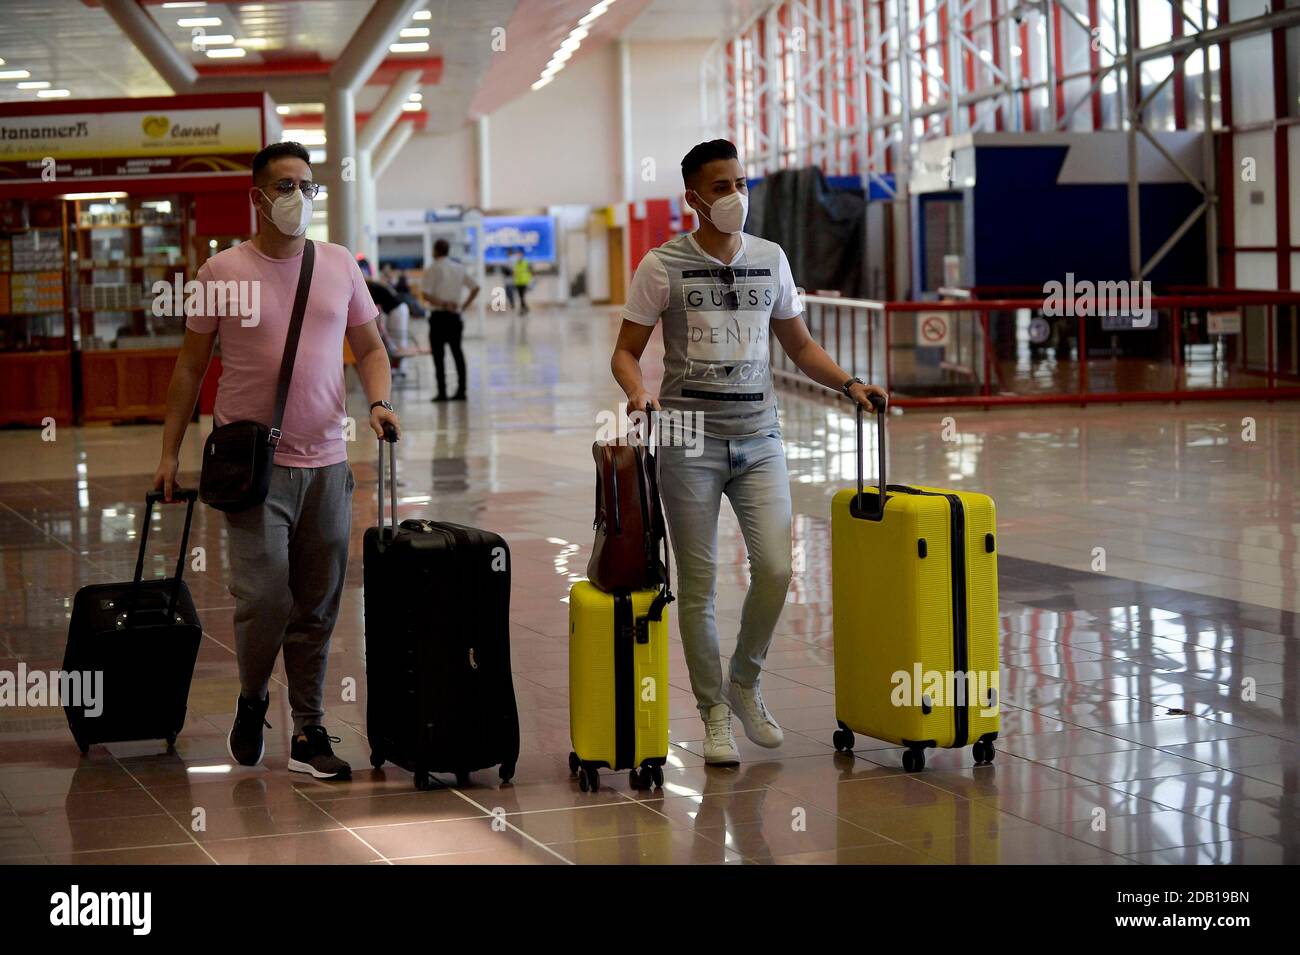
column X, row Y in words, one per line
column 285, row 187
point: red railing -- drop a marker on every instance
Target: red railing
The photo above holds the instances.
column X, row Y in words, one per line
column 980, row 352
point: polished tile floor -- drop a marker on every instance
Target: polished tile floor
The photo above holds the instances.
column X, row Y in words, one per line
column 1150, row 704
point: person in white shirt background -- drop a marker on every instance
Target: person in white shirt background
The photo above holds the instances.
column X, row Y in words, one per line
column 441, row 286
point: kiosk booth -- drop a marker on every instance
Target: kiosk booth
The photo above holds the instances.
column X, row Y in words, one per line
column 99, row 201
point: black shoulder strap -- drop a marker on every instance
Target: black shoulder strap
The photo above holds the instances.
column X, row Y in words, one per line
column 291, row 340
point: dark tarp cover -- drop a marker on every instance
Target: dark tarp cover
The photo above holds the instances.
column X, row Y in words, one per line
column 821, row 228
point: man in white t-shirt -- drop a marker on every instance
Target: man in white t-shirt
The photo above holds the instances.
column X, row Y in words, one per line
column 719, row 292
column 440, row 288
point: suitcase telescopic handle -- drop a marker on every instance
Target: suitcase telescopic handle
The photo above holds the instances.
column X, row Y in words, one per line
column 158, row 497
column 389, row 438
column 654, row 439
column 878, row 403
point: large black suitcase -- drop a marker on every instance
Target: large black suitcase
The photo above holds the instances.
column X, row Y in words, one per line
column 142, row 639
column 440, row 696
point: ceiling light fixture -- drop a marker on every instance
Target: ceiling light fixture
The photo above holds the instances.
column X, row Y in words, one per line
column 199, row 22
column 410, row 33
column 416, row 97
column 596, row 12
column 422, row 15
column 408, row 48
column 53, row 94
column 182, row 4
column 542, row 82
column 14, row 74
column 227, row 53
column 283, row 110
column 213, row 39
column 34, row 85
column 412, row 107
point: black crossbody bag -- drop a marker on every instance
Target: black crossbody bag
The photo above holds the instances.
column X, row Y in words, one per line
column 237, row 457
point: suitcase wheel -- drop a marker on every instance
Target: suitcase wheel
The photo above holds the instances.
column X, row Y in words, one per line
column 574, row 764
column 648, row 777
column 422, row 781
column 914, row 760
column 376, row 759
column 507, row 772
column 462, row 779
column 983, row 752
column 588, row 779
column 843, row 740
column 171, row 742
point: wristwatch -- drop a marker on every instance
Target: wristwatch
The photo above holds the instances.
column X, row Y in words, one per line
column 381, row 404
column 855, row 380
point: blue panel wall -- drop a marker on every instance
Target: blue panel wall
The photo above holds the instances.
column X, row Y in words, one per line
column 1029, row 230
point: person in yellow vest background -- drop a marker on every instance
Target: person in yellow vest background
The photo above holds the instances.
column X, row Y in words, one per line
column 523, row 277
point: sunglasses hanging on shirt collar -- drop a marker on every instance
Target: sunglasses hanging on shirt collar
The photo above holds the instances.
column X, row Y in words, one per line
column 731, row 298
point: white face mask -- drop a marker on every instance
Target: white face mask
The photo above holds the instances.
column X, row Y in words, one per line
column 728, row 213
column 292, row 213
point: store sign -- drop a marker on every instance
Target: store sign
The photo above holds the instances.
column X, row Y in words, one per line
column 1224, row 323
column 534, row 234
column 182, row 142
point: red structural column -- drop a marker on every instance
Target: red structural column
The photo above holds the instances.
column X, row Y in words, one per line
column 1094, row 62
column 922, row 53
column 1281, row 162
column 996, row 34
column 1026, row 101
column 761, row 96
column 1058, row 66
column 1180, row 75
column 948, row 67
column 968, row 59
column 1227, row 171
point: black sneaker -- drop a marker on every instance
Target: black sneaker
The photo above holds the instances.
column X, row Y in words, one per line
column 245, row 743
column 312, row 754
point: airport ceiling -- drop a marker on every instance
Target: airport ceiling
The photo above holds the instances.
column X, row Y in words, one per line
column 74, row 45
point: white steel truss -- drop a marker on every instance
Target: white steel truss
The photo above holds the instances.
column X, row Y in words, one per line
column 852, row 86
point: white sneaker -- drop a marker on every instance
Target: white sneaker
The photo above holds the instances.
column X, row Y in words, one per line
column 747, row 702
column 719, row 744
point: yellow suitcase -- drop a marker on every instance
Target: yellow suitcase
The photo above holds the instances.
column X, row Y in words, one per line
column 915, row 590
column 618, row 684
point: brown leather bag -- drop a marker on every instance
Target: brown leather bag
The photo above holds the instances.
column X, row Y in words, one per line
column 629, row 520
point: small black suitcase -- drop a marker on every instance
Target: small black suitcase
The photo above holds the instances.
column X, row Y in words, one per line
column 440, row 695
column 142, row 639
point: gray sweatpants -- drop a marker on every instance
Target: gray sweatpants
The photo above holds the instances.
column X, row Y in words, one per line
column 287, row 561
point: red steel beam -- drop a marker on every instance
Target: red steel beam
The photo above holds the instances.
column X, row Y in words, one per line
column 1281, row 163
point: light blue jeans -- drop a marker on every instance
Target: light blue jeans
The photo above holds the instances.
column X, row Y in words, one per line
column 751, row 472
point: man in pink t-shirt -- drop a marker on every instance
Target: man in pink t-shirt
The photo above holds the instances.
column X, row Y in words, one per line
column 288, row 554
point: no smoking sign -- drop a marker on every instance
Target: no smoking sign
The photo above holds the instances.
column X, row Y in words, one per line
column 931, row 329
